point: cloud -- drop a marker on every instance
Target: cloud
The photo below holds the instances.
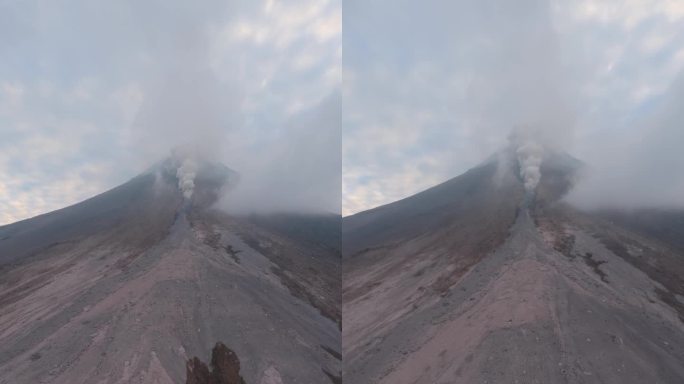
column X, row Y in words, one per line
column 298, row 169
column 51, row 153
column 450, row 80
column 641, row 166
column 116, row 85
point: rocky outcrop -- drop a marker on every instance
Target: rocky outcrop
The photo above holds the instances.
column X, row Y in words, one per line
column 225, row 368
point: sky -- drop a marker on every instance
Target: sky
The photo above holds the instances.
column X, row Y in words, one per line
column 94, row 92
column 324, row 107
column 431, row 89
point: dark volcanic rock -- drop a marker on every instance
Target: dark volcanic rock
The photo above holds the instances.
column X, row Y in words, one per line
column 197, row 372
column 225, row 368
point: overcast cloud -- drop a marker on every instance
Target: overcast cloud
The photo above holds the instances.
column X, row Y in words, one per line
column 433, row 88
column 93, row 92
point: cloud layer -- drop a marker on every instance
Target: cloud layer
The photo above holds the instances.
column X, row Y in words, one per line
column 92, row 94
column 432, row 89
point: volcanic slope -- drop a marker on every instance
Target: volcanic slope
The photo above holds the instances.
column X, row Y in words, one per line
column 129, row 286
column 478, row 281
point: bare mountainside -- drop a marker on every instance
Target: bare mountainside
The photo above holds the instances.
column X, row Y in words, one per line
column 479, row 281
column 137, row 285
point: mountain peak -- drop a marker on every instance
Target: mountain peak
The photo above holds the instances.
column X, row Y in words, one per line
column 547, row 172
column 199, row 180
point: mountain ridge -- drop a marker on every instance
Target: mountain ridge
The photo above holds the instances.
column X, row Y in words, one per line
column 534, row 291
column 131, row 284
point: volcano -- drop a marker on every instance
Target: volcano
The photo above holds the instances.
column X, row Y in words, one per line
column 140, row 283
column 490, row 278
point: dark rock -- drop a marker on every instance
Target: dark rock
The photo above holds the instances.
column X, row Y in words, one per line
column 197, row 372
column 225, row 368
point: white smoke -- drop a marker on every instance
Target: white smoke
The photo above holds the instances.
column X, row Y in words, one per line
column 530, row 155
column 186, row 177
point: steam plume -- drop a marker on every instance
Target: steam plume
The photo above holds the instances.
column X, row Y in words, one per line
column 186, row 177
column 530, row 158
column 530, row 154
